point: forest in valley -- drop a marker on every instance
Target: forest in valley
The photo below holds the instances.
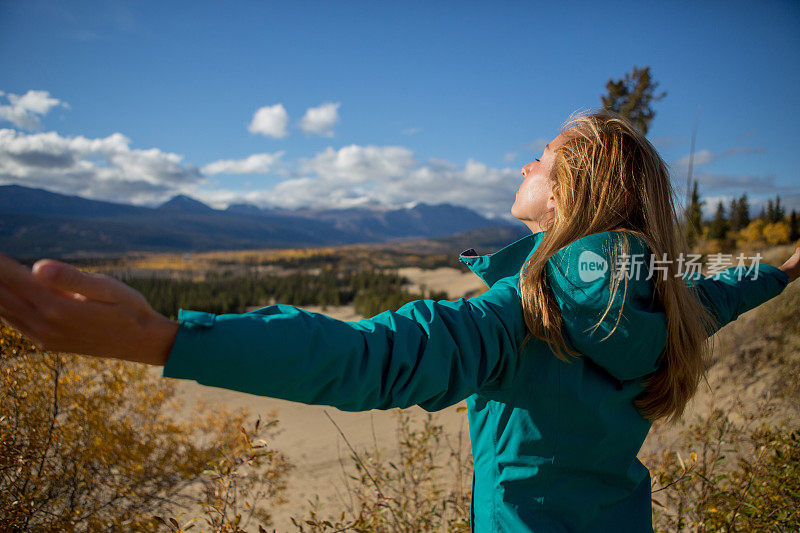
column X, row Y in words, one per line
column 370, row 292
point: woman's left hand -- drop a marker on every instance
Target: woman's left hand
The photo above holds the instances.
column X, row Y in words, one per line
column 63, row 309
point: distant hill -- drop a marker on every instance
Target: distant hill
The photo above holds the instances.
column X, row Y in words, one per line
column 36, row 223
column 21, row 200
column 244, row 209
column 184, row 204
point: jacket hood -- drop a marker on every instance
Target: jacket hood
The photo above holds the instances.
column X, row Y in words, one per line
column 580, row 276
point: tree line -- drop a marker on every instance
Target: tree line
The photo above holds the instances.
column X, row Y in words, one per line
column 371, row 292
column 733, row 221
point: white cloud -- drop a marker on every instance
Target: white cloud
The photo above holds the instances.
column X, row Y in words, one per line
column 411, row 131
column 321, row 119
column 255, row 164
column 709, row 208
column 705, row 157
column 360, row 164
column 392, row 176
column 737, row 150
column 509, row 157
column 222, row 198
column 745, row 182
column 666, row 141
column 105, row 168
column 25, row 111
column 270, row 121
column 702, row 157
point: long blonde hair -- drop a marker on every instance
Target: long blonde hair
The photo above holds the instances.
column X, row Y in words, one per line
column 607, row 176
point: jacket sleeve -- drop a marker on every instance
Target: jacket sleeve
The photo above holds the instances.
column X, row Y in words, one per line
column 433, row 354
column 735, row 290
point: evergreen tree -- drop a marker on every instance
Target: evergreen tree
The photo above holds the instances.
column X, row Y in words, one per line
column 694, row 215
column 632, row 97
column 739, row 213
column 770, row 215
column 780, row 211
column 794, row 232
column 744, row 211
column 734, row 215
column 719, row 226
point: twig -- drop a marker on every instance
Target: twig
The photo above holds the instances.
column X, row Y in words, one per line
column 355, row 454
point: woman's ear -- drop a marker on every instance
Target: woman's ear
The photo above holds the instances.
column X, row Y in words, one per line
column 550, row 215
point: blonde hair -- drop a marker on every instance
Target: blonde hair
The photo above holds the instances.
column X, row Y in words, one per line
column 607, row 176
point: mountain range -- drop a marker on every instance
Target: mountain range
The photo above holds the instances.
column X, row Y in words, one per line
column 38, row 223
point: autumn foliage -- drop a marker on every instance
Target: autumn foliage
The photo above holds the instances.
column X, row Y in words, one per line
column 89, row 444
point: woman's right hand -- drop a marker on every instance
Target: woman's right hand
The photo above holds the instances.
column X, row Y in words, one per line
column 63, row 309
column 792, row 265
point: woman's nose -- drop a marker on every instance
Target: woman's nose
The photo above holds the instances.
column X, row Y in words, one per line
column 525, row 170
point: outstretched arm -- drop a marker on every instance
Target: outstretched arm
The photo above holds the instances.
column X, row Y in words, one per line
column 427, row 353
column 733, row 293
column 433, row 354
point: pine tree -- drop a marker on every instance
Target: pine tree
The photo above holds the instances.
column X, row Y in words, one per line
column 770, row 216
column 694, row 215
column 739, row 213
column 780, row 211
column 794, row 232
column 744, row 211
column 632, row 97
column 719, row 226
column 734, row 215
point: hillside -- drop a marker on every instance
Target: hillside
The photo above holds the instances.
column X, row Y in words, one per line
column 35, row 223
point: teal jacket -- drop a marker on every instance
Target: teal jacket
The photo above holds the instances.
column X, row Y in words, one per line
column 554, row 443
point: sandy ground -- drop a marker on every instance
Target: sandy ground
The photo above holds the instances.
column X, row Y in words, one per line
column 312, row 443
column 457, row 284
column 309, row 439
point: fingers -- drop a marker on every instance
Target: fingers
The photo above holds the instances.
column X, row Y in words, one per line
column 20, row 281
column 61, row 308
column 53, row 323
column 31, row 306
column 61, row 276
column 14, row 275
column 19, row 313
column 19, row 297
column 14, row 307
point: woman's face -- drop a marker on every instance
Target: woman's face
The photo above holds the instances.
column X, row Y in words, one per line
column 535, row 205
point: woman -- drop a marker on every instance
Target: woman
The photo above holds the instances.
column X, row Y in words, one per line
column 565, row 361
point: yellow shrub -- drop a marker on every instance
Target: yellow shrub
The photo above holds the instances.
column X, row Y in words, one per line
column 754, row 231
column 89, row 444
column 777, row 233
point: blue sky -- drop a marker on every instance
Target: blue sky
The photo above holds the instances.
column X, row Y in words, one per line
column 332, row 104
